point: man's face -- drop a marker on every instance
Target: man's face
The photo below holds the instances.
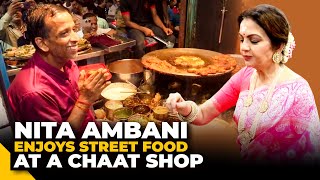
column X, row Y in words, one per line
column 16, row 17
column 91, row 24
column 62, row 40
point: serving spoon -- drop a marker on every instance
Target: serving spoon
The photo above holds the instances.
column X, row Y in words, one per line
column 168, row 44
column 137, row 92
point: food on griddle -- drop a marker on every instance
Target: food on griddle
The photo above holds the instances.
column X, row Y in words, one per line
column 192, row 64
column 189, row 61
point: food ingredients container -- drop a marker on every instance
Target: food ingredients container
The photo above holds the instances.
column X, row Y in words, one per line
column 110, row 106
column 122, row 114
column 161, row 113
column 127, row 70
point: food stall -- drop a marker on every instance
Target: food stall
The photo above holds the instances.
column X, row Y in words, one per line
column 139, row 90
column 17, row 57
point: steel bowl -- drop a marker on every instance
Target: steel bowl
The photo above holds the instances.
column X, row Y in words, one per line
column 122, row 114
column 142, row 109
column 127, row 70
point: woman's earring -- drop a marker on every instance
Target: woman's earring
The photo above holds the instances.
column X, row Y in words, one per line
column 277, row 57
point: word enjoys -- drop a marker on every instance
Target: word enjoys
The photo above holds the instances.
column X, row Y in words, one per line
column 121, row 130
column 98, row 146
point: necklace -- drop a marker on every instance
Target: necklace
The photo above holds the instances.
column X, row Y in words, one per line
column 247, row 135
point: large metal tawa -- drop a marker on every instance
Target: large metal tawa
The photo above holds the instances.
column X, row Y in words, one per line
column 165, row 54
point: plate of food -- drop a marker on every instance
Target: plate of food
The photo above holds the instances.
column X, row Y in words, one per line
column 83, row 46
column 19, row 53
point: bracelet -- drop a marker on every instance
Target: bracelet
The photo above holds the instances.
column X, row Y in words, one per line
column 82, row 108
column 82, row 102
column 193, row 114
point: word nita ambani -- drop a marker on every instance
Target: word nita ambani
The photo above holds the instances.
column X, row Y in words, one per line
column 120, row 130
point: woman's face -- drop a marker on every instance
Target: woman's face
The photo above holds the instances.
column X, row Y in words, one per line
column 255, row 45
column 62, row 41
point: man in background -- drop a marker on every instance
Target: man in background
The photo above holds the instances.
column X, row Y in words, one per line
column 142, row 20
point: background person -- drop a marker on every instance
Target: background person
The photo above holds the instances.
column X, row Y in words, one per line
column 141, row 19
column 275, row 110
column 12, row 26
column 90, row 27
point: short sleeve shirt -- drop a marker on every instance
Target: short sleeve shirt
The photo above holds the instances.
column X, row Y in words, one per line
column 41, row 92
column 138, row 10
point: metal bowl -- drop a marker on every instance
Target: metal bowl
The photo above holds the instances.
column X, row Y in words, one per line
column 127, row 70
column 161, row 113
column 122, row 114
column 141, row 109
column 141, row 119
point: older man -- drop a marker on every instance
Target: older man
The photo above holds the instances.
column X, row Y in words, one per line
column 50, row 87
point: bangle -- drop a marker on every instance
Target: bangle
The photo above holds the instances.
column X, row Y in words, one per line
column 192, row 115
column 85, row 103
column 82, row 108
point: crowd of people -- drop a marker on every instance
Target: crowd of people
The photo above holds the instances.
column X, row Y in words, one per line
column 50, row 87
column 13, row 19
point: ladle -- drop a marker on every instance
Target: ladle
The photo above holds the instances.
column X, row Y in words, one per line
column 138, row 92
column 168, row 44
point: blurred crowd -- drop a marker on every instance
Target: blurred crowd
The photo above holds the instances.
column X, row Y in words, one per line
column 91, row 17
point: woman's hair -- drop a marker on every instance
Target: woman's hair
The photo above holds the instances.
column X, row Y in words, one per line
column 272, row 20
column 36, row 26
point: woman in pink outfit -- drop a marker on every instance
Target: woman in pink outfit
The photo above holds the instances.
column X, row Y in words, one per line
column 275, row 110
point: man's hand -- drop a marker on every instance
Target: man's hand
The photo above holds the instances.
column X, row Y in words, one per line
column 168, row 31
column 112, row 32
column 14, row 7
column 90, row 88
column 147, row 31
